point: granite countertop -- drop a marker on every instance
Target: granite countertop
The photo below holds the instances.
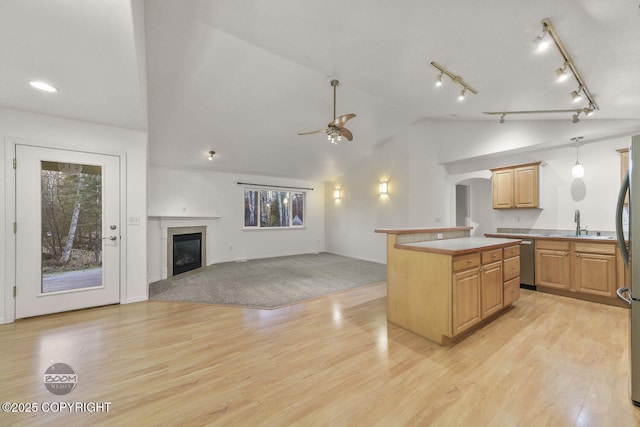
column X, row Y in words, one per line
column 460, row 245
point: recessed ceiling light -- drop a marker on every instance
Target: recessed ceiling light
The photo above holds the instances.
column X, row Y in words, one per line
column 42, row 86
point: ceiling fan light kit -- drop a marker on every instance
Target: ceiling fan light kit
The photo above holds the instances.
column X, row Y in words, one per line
column 335, row 130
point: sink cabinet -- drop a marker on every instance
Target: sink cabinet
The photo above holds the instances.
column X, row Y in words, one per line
column 581, row 269
column 553, row 264
column 594, row 269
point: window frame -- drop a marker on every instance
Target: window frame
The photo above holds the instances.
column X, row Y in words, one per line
column 289, row 193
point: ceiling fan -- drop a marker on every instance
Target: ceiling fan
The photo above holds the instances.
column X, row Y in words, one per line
column 335, row 130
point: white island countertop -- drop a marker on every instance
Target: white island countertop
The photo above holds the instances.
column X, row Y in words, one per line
column 459, row 246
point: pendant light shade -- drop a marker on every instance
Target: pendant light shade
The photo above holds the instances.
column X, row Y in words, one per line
column 577, row 170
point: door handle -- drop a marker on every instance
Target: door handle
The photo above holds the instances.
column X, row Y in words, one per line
column 619, row 209
column 110, row 238
column 620, row 291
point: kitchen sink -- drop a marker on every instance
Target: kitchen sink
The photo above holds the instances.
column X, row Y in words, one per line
column 589, row 237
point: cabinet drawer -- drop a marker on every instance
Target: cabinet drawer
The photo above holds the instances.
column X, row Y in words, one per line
column 555, row 245
column 462, row 262
column 511, row 290
column 511, row 268
column 512, row 251
column 595, row 248
column 491, row 256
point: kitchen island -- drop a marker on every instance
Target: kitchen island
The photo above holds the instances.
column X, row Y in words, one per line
column 442, row 283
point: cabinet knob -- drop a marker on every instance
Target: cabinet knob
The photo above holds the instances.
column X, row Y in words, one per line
column 566, row 253
column 469, row 261
column 577, row 254
column 495, row 256
column 513, row 290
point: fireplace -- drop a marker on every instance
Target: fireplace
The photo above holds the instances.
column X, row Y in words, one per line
column 186, row 250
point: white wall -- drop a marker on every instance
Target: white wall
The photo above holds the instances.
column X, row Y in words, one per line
column 55, row 132
column 417, row 196
column 426, row 161
column 215, row 200
column 594, row 195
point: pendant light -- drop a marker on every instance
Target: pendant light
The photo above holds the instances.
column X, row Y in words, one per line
column 577, row 170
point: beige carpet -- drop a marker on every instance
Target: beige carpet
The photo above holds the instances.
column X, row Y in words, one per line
column 271, row 282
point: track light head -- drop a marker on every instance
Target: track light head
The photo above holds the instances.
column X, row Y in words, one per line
column 502, row 118
column 439, row 80
column 211, row 154
column 561, row 73
column 588, row 111
column 575, row 118
column 462, row 94
column 542, row 42
column 575, row 95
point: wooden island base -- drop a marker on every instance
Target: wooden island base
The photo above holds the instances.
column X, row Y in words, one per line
column 442, row 289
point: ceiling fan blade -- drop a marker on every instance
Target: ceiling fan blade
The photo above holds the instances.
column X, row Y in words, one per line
column 340, row 121
column 346, row 133
column 312, row 132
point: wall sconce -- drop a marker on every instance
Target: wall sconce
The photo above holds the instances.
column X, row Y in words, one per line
column 336, row 194
column 384, row 188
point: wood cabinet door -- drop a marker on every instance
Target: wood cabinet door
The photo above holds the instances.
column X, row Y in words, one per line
column 553, row 268
column 595, row 274
column 503, row 189
column 466, row 299
column 491, row 288
column 511, row 291
column 526, row 187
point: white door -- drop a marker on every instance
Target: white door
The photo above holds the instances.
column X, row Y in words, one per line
column 67, row 230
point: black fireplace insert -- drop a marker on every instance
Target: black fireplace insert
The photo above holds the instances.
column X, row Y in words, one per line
column 187, row 252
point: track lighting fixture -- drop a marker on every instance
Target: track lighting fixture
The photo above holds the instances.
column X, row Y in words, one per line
column 454, row 78
column 549, row 33
column 575, row 119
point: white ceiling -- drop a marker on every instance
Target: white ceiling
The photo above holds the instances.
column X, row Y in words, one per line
column 244, row 77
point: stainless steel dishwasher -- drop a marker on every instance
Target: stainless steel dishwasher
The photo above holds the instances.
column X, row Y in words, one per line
column 528, row 264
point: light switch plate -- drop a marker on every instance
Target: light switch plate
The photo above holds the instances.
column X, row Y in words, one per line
column 134, row 220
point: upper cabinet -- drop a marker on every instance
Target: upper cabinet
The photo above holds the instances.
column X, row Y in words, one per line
column 516, row 186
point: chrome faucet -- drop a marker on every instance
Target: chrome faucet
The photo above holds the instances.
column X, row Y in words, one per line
column 576, row 219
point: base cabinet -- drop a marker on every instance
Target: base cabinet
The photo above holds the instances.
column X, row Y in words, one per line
column 553, row 267
column 466, row 299
column 492, row 288
column 595, row 269
column 581, row 268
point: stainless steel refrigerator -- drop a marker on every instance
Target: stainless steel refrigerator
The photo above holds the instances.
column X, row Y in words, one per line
column 628, row 246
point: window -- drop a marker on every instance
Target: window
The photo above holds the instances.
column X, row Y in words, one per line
column 273, row 209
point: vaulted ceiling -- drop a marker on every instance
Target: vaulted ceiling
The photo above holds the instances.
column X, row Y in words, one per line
column 244, row 77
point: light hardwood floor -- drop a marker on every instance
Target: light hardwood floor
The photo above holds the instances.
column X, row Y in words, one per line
column 550, row 361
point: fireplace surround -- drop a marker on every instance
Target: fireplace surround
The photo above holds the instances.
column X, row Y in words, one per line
column 184, row 246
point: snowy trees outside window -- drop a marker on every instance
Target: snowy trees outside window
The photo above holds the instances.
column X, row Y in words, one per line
column 273, row 209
